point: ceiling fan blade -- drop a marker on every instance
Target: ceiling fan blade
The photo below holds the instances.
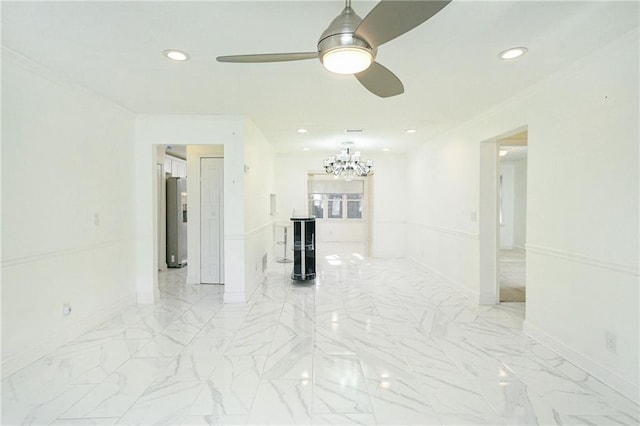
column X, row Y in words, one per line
column 268, row 57
column 380, row 81
column 392, row 18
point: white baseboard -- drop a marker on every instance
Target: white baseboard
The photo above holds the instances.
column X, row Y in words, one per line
column 594, row 368
column 37, row 351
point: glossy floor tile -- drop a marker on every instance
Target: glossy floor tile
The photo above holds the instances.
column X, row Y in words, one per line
column 370, row 342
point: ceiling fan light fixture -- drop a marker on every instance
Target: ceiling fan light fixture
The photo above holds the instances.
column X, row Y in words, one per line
column 347, row 60
column 350, row 43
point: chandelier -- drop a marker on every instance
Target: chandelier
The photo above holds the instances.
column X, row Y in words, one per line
column 347, row 165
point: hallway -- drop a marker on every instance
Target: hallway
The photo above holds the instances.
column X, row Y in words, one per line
column 372, row 342
column 512, row 274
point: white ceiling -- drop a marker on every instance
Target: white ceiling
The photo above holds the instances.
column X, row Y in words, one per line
column 448, row 65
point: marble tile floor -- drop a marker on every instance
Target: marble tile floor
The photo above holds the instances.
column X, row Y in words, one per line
column 371, row 342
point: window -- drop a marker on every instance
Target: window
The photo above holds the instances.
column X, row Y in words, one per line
column 334, row 200
column 316, row 205
column 334, row 206
column 354, row 206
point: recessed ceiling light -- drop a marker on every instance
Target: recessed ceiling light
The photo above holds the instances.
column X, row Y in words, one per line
column 176, row 55
column 503, row 152
column 513, row 53
column 301, row 130
column 305, row 149
column 410, row 131
column 385, row 149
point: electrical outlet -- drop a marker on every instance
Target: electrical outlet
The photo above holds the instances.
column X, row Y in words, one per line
column 66, row 309
column 611, row 342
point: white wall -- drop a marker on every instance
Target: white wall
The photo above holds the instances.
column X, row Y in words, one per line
column 513, row 229
column 389, row 208
column 388, row 194
column 258, row 186
column 520, row 204
column 291, row 183
column 582, row 208
column 507, row 173
column 67, row 210
column 442, row 212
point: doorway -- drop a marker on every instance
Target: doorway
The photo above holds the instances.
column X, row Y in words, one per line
column 170, row 162
column 512, row 218
column 180, row 161
column 341, row 208
column 503, row 198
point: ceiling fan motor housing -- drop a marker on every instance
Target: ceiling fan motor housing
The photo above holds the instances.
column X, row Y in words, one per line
column 339, row 34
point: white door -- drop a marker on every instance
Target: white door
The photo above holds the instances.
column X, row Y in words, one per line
column 211, row 221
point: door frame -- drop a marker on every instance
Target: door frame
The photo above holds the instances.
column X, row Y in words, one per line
column 162, row 217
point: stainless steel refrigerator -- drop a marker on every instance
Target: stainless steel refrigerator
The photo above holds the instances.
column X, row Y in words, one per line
column 176, row 222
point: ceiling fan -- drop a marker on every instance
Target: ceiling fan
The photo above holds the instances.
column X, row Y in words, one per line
column 350, row 43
